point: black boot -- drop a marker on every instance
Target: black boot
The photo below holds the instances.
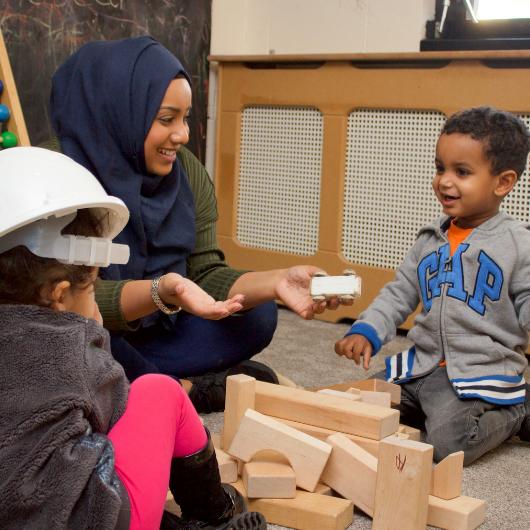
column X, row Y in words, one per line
column 242, row 521
column 205, row 502
column 209, row 390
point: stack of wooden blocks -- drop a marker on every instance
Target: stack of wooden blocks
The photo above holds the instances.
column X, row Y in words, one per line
column 305, row 458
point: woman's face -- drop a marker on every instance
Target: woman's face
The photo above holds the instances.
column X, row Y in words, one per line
column 169, row 130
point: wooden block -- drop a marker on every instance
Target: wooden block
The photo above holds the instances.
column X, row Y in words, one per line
column 307, row 455
column 323, row 489
column 372, row 446
column 269, row 480
column 402, row 485
column 446, row 481
column 346, row 395
column 285, row 381
column 171, row 505
column 240, row 394
column 461, row 513
column 307, row 511
column 227, row 466
column 351, row 471
column 330, row 412
column 412, row 432
column 376, row 385
column 217, row 439
column 376, row 398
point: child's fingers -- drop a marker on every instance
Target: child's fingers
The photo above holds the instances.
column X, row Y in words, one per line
column 341, row 348
column 347, row 349
column 366, row 359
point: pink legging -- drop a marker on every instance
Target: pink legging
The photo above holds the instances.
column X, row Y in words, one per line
column 158, row 424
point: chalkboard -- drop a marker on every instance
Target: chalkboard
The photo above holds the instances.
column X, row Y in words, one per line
column 40, row 35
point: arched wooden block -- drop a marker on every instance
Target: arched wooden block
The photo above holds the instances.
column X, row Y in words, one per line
column 307, row 455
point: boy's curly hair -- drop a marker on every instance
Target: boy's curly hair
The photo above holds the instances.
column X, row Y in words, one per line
column 504, row 136
column 23, row 274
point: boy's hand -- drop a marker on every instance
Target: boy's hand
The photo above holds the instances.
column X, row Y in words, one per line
column 353, row 347
column 174, row 289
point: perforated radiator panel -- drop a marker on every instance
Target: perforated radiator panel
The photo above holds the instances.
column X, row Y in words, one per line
column 388, row 194
column 279, row 179
column 517, row 203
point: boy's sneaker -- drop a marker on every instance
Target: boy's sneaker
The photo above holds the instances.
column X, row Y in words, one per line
column 524, row 431
column 209, row 390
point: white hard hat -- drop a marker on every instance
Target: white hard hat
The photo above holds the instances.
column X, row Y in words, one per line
column 40, row 193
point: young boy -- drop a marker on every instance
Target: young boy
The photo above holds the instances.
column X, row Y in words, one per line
column 462, row 380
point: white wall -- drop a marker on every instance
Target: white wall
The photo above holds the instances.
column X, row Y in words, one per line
column 241, row 27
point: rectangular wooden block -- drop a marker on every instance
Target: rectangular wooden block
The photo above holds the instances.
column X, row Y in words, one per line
column 227, row 466
column 402, row 485
column 330, row 412
column 307, row 511
column 171, row 505
column 269, row 480
column 376, row 385
column 346, row 395
column 351, row 471
column 372, row 446
column 240, row 394
column 411, row 432
column 307, row 455
column 376, row 398
column 323, row 489
column 461, row 513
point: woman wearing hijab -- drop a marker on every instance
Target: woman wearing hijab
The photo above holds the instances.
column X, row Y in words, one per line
column 120, row 108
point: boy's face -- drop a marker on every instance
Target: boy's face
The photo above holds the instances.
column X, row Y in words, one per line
column 464, row 183
column 169, row 130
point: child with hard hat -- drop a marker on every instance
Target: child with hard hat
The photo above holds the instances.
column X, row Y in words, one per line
column 80, row 446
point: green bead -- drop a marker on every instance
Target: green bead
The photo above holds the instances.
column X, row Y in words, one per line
column 9, row 139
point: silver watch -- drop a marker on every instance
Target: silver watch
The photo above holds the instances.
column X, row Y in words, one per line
column 158, row 301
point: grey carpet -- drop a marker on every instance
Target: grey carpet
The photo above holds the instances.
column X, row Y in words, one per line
column 303, row 351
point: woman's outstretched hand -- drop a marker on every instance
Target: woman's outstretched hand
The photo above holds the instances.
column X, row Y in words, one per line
column 174, row 289
column 294, row 290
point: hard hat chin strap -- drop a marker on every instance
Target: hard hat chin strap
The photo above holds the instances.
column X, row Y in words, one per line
column 43, row 238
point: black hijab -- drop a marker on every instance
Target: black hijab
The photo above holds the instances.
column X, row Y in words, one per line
column 104, row 99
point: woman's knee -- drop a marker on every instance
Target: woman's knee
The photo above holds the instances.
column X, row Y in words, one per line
column 260, row 325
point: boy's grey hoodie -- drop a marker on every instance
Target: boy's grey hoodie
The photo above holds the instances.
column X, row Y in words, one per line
column 60, row 393
column 475, row 309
